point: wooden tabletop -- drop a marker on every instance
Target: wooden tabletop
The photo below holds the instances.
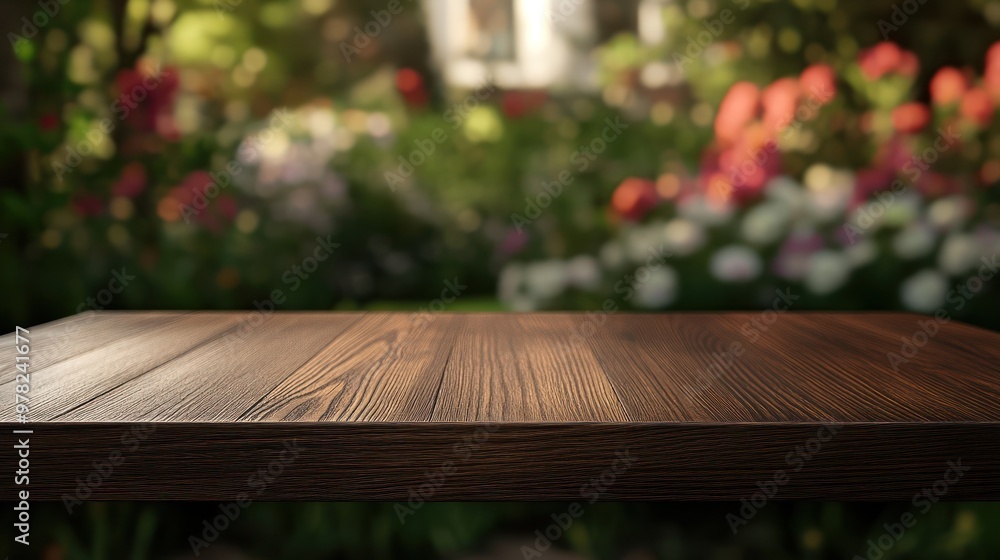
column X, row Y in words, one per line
column 362, row 406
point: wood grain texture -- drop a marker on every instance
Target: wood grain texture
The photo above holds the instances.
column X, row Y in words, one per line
column 523, row 406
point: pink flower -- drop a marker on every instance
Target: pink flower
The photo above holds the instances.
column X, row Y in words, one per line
column 146, row 99
column 780, row 100
column 740, row 106
column 819, row 82
column 792, row 260
column 909, row 65
column 131, row 182
column 880, row 60
column 910, row 117
column 513, row 242
column 867, row 182
column 885, row 58
column 948, row 85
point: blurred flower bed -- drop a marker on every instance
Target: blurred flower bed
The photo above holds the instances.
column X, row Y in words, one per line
column 206, row 153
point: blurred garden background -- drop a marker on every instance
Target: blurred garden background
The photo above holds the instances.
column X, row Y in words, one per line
column 194, row 154
column 533, row 152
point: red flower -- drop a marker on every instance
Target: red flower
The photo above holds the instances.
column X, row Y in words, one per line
column 740, row 106
column 48, row 121
column 516, row 104
column 948, row 85
column 991, row 82
column 886, row 57
column 146, row 99
column 780, row 100
column 633, row 198
column 87, row 205
column 131, row 182
column 819, row 82
column 993, row 55
column 911, row 117
column 977, row 107
column 909, row 65
column 880, row 60
column 411, row 86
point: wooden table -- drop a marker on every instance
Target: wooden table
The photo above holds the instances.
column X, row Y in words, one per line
column 395, row 406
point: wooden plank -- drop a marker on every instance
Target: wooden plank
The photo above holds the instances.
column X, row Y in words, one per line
column 524, row 368
column 515, row 461
column 521, row 406
column 77, row 380
column 385, row 368
column 65, row 338
column 223, row 378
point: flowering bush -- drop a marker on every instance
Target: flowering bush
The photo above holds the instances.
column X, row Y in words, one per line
column 903, row 229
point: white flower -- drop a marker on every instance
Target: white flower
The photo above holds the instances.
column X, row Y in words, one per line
column 546, row 279
column 735, row 263
column 612, row 255
column 861, row 253
column 785, row 190
column 949, row 212
column 915, row 241
column 701, row 210
column 522, row 303
column 817, row 176
column 640, row 242
column 658, row 290
column 583, row 272
column 509, row 283
column 683, row 237
column 924, row 291
column 765, row 224
column 902, row 210
column 958, row 253
column 827, row 271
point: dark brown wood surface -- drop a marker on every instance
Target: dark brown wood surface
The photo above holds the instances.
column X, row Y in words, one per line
column 506, row 406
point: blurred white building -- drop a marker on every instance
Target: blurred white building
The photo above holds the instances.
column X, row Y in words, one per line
column 531, row 43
